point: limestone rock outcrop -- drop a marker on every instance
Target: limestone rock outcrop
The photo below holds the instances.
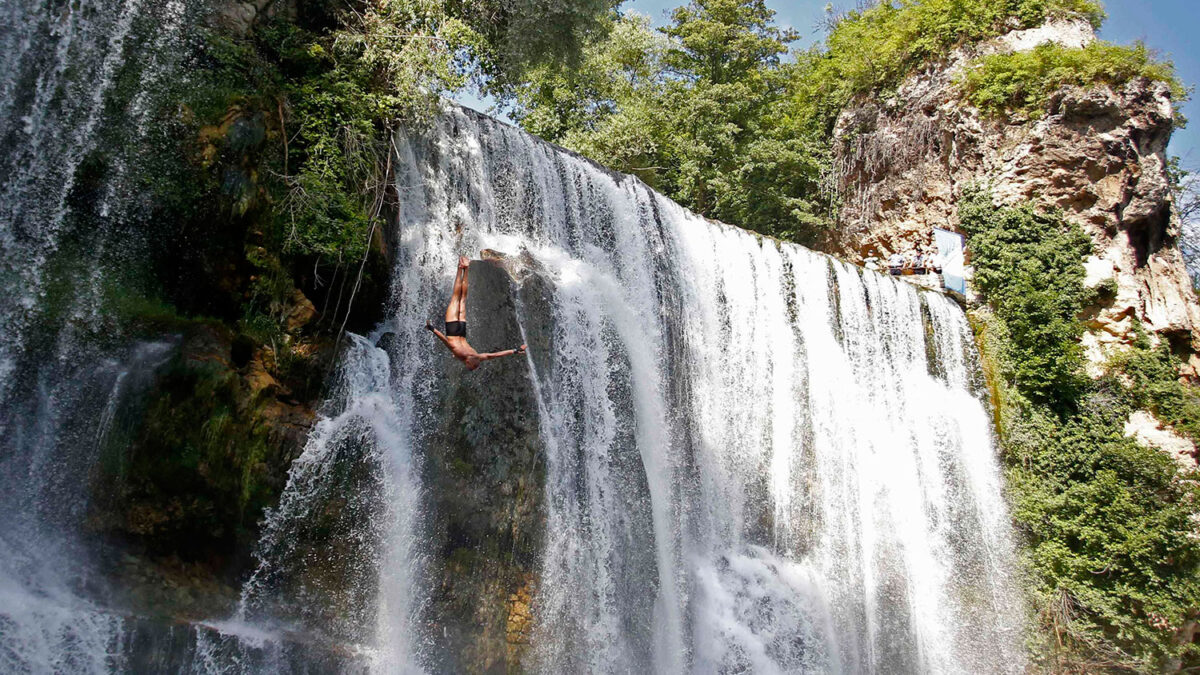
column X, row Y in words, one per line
column 1148, row 431
column 1098, row 154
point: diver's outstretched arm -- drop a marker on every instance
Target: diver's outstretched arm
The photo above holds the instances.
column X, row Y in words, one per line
column 506, row 352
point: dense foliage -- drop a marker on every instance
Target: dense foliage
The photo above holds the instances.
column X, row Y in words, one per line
column 715, row 111
column 1108, row 523
column 1029, row 266
column 697, row 110
column 1024, row 81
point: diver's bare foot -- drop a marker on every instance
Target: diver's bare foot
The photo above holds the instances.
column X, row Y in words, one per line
column 463, row 262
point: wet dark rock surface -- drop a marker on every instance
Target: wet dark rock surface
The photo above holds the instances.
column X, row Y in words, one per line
column 486, row 470
column 195, row 452
column 151, row 645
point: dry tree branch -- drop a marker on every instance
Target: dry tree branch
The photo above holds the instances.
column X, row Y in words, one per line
column 377, row 208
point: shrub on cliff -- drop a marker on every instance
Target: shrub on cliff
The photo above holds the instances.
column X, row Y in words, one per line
column 872, row 50
column 1108, row 524
column 1024, row 81
column 1154, row 385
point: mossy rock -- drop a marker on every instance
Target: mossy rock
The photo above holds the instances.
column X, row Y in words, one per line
column 210, row 453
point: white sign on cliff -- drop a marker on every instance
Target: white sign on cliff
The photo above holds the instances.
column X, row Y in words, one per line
column 950, row 250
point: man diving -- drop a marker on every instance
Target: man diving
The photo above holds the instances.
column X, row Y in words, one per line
column 455, row 337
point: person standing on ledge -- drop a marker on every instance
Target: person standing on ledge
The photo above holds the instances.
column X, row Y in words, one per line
column 455, row 337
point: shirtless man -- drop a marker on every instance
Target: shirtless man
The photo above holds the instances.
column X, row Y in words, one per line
column 455, row 337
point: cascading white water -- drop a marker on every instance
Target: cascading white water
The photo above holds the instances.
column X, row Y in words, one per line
column 759, row 459
column 60, row 68
column 75, row 83
column 362, row 425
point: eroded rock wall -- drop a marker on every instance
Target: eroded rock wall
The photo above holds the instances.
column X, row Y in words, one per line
column 240, row 16
column 1098, row 154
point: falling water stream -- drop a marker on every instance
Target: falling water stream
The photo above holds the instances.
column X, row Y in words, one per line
column 74, row 84
column 757, row 458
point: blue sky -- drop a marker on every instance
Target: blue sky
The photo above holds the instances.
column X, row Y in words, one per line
column 1168, row 26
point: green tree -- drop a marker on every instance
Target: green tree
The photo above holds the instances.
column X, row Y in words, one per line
column 285, row 138
column 725, row 41
column 616, row 78
column 696, row 111
column 519, row 35
column 724, row 57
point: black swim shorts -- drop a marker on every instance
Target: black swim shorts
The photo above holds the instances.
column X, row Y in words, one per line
column 456, row 329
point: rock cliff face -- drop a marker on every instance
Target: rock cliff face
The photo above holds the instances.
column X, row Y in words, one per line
column 1098, row 154
column 240, row 16
column 487, row 467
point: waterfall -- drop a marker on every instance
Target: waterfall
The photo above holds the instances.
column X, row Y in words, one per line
column 362, row 425
column 758, row 458
column 76, row 84
column 747, row 457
